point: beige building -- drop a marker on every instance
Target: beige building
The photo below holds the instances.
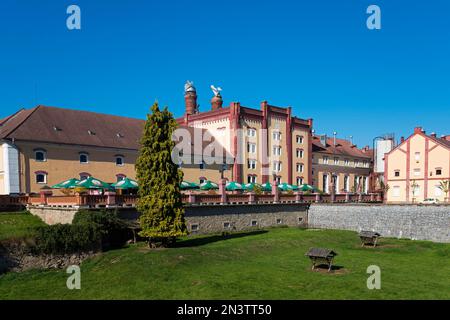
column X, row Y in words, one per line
column 339, row 164
column 415, row 168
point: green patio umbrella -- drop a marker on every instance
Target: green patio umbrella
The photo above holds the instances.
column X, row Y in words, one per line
column 266, row 186
column 286, row 187
column 185, row 185
column 126, row 183
column 251, row 186
column 93, row 183
column 233, row 186
column 208, row 185
column 68, row 184
column 306, row 187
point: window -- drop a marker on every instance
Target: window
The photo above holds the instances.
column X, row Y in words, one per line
column 120, row 177
column 417, row 172
column 119, row 161
column 397, row 173
column 41, row 177
column 346, row 184
column 277, row 166
column 251, row 147
column 194, row 227
column 336, row 160
column 276, row 135
column 279, row 221
column 300, row 219
column 251, row 132
column 416, row 190
column 396, row 191
column 277, row 151
column 84, row 158
column 84, row 175
column 251, row 178
column 300, row 167
column 325, row 159
column 254, row 223
column 356, row 163
column 325, row 183
column 226, row 225
column 202, row 165
column 299, row 139
column 300, row 153
column 365, row 164
column 438, row 171
column 251, row 164
column 278, row 179
column 202, row 179
column 40, row 155
column 299, row 181
column 417, row 156
column 346, row 162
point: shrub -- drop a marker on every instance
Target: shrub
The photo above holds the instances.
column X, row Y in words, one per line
column 67, row 238
column 113, row 231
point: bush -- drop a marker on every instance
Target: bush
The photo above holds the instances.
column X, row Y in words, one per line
column 113, row 231
column 67, row 238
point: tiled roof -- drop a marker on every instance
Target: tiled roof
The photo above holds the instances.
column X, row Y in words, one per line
column 343, row 147
column 76, row 127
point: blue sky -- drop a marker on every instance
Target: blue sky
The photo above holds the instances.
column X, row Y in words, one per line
column 316, row 56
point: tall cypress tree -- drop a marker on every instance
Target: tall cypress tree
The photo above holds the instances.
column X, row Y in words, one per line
column 159, row 178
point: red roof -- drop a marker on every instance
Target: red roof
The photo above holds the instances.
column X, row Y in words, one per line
column 343, row 147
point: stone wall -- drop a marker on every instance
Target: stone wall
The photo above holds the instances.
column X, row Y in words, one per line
column 420, row 222
column 206, row 218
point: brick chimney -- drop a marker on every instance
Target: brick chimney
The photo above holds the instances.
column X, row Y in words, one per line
column 190, row 98
column 433, row 134
column 418, row 130
column 216, row 102
column 402, row 139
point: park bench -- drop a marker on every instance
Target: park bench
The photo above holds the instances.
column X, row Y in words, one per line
column 320, row 256
column 369, row 237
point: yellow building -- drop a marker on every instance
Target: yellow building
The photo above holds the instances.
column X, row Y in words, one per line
column 339, row 164
column 415, row 168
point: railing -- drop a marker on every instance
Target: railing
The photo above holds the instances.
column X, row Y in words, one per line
column 110, row 199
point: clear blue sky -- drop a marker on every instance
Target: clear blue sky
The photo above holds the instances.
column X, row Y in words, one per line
column 317, row 56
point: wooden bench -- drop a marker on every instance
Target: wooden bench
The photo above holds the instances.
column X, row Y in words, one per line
column 320, row 256
column 369, row 237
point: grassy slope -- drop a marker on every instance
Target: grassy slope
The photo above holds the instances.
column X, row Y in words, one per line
column 17, row 224
column 267, row 265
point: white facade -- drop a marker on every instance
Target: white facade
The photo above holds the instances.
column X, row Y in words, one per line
column 9, row 170
column 382, row 147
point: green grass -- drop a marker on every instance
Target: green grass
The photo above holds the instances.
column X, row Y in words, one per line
column 18, row 224
column 265, row 265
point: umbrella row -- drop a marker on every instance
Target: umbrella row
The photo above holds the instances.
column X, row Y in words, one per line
column 235, row 186
column 126, row 183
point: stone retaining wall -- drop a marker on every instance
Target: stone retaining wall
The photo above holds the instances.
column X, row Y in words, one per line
column 421, row 222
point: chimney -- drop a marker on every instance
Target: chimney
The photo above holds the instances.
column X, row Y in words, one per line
column 433, row 134
column 190, row 98
column 216, row 102
column 402, row 139
column 365, row 149
column 418, row 130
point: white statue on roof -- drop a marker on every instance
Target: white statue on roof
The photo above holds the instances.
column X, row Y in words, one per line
column 216, row 91
column 189, row 86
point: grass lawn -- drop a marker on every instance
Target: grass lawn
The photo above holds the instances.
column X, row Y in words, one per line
column 17, row 224
column 268, row 264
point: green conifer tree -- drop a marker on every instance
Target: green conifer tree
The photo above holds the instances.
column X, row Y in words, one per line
column 159, row 178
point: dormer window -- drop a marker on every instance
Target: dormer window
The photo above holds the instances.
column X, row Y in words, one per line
column 120, row 160
column 40, row 155
column 84, row 157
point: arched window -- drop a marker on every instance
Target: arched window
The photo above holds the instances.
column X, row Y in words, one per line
column 202, row 179
column 84, row 157
column 41, row 177
column 40, row 155
column 84, row 175
column 120, row 177
column 120, row 161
